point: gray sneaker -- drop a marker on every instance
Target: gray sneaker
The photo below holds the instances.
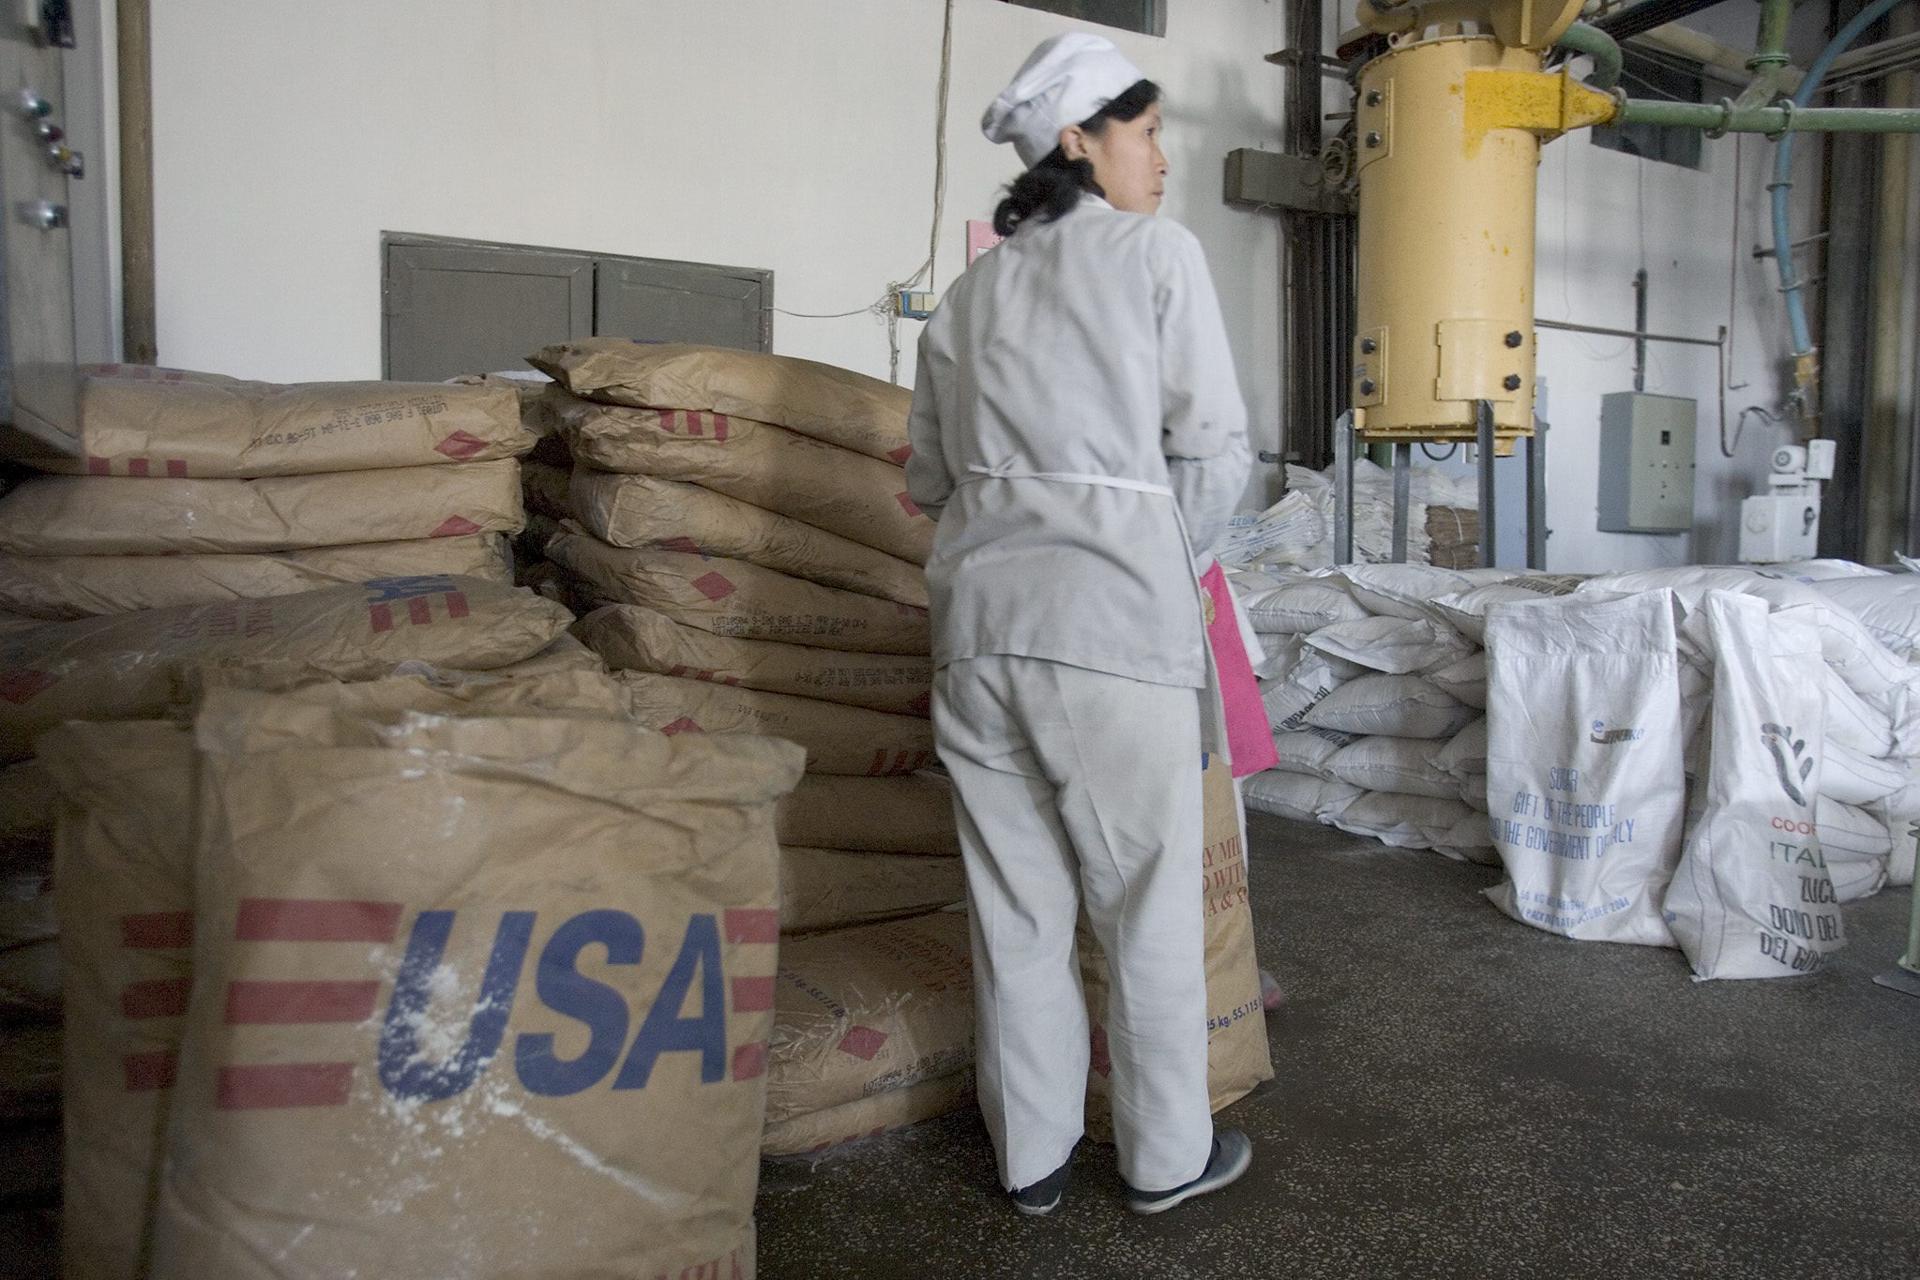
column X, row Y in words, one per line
column 1044, row 1195
column 1232, row 1153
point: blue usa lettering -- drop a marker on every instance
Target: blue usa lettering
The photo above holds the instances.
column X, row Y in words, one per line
column 561, row 987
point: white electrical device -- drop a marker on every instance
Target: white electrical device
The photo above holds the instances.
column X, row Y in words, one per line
column 1784, row 523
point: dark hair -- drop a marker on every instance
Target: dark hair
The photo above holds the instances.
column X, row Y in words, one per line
column 1052, row 188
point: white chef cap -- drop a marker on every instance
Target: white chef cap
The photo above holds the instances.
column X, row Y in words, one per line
column 1067, row 80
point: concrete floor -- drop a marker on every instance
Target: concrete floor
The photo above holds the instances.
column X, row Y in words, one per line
column 1458, row 1095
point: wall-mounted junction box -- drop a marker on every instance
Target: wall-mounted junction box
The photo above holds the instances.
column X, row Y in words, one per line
column 1646, row 463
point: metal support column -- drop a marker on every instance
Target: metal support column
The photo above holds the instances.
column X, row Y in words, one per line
column 1536, row 447
column 1402, row 497
column 1489, row 523
column 1343, row 449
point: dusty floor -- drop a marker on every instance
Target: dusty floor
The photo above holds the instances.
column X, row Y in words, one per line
column 1457, row 1095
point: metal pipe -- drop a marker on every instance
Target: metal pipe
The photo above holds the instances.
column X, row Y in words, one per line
column 1782, row 185
column 1724, row 117
column 1402, row 497
column 1771, row 49
column 1640, row 329
column 1570, row 327
column 1489, row 515
column 1601, row 47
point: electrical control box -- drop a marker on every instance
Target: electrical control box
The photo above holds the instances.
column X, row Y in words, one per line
column 1646, row 463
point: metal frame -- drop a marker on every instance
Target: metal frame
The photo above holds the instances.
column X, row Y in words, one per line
column 1533, row 457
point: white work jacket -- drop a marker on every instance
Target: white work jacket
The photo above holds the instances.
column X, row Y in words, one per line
column 1075, row 400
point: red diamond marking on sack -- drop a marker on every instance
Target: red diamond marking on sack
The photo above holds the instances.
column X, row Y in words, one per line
column 460, row 446
column 455, row 527
column 901, row 454
column 685, row 546
column 863, row 1043
column 685, row 724
column 19, row 687
column 714, row 586
column 906, row 504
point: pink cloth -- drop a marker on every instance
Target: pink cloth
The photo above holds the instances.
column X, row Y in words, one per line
column 1249, row 736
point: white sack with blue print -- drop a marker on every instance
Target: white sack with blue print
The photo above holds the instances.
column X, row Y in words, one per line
column 1752, row 897
column 1584, row 776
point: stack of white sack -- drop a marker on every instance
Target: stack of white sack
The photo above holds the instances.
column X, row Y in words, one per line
column 1794, row 730
column 1376, row 687
column 1297, row 531
column 192, row 488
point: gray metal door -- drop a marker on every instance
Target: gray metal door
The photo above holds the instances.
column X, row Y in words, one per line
column 38, row 334
column 454, row 309
column 684, row 302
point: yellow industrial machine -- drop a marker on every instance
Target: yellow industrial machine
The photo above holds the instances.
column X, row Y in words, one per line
column 1448, row 129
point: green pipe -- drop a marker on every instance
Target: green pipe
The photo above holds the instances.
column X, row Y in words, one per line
column 1724, row 117
column 1771, row 51
column 1598, row 45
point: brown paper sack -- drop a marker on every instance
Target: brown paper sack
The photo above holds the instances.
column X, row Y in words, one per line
column 824, row 889
column 868, row 1117
column 544, row 487
column 27, row 804
column 90, row 516
column 741, row 600
column 468, row 1051
column 641, row 511
column 862, row 1012
column 836, row 405
column 912, row 814
column 639, row 639
column 838, row 739
column 66, row 587
column 819, row 484
column 1237, row 1051
column 138, row 420
column 125, row 898
column 132, row 665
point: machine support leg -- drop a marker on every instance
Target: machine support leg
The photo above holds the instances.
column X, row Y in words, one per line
column 1343, row 449
column 1537, row 496
column 1489, row 526
column 1402, row 497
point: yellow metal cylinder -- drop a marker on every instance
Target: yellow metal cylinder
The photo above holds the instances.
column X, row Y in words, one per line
column 1444, row 313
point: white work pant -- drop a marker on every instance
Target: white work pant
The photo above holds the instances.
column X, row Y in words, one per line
column 1076, row 785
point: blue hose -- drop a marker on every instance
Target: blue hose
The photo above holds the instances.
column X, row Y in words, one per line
column 1782, row 184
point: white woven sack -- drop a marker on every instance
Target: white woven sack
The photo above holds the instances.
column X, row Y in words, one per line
column 1752, row 897
column 1470, row 840
column 1465, row 679
column 1464, row 758
column 1466, row 610
column 1852, row 778
column 1308, row 750
column 1304, row 605
column 1290, row 699
column 1298, row 796
column 1278, row 654
column 1406, row 590
column 1406, row 822
column 1396, row 706
column 1397, row 646
column 1887, row 604
column 1404, row 766
column 1854, row 724
column 1583, row 764
column 1851, row 833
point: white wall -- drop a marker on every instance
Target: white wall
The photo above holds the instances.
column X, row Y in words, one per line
column 795, row 135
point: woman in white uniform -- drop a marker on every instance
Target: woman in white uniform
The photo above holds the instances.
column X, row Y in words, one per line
column 1078, row 431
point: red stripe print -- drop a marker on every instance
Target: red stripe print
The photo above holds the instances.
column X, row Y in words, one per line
column 138, row 467
column 157, row 930
column 901, row 454
column 750, row 1061
column 456, row 604
column 695, row 427
column 719, row 426
column 148, row 1072
column 381, row 616
column 419, row 612
column 752, row 924
column 291, row 1084
column 752, row 995
column 287, row 1003
column 879, row 765
column 316, row 920
column 98, row 466
column 155, row 998
column 176, row 468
